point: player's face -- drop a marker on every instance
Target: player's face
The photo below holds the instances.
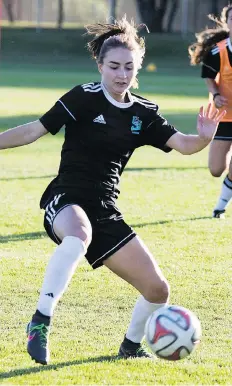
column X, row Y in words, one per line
column 229, row 21
column 118, row 71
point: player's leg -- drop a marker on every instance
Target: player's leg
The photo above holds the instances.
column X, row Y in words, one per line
column 72, row 227
column 219, row 157
column 135, row 264
column 225, row 195
column 220, row 161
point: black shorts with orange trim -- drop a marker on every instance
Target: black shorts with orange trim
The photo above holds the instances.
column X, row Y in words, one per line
column 224, row 131
column 109, row 230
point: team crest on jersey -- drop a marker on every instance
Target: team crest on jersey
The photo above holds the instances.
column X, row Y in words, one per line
column 136, row 125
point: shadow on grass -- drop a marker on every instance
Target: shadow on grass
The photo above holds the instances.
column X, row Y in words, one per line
column 40, row 369
column 65, row 71
column 22, row 237
column 57, row 75
column 16, row 120
column 165, row 168
column 26, row 178
column 42, row 234
column 170, row 221
column 131, row 170
column 7, row 122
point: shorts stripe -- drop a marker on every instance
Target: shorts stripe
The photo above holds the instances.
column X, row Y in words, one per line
column 109, row 230
column 115, row 248
column 223, row 138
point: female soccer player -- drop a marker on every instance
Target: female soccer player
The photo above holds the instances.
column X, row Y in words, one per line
column 104, row 124
column 214, row 50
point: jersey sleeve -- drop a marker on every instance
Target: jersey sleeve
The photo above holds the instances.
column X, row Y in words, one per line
column 158, row 132
column 66, row 110
column 211, row 65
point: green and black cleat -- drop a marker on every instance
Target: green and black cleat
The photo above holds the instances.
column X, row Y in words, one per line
column 37, row 344
column 219, row 213
column 130, row 349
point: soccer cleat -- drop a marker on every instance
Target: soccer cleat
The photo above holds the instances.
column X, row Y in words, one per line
column 219, row 213
column 129, row 349
column 37, row 345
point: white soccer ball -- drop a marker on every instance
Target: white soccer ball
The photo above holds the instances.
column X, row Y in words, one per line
column 173, row 332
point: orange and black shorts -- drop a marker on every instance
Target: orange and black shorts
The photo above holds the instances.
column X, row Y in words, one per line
column 224, row 131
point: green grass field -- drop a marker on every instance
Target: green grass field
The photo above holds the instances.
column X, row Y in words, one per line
column 168, row 199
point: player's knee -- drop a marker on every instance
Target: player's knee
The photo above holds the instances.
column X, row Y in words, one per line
column 158, row 292
column 84, row 232
column 216, row 172
column 230, row 175
column 72, row 248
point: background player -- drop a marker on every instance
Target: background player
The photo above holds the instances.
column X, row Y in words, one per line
column 214, row 50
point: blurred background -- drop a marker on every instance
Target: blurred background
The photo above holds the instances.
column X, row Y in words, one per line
column 43, row 46
column 33, row 27
column 159, row 15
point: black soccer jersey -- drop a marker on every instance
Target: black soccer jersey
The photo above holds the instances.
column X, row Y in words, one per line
column 100, row 137
column 211, row 63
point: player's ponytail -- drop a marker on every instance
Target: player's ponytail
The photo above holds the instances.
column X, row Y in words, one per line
column 209, row 37
column 101, row 32
column 205, row 41
column 122, row 33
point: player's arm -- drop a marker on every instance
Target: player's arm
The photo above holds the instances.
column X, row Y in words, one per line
column 212, row 86
column 51, row 122
column 207, row 123
column 209, row 71
column 219, row 100
column 187, row 144
column 22, row 135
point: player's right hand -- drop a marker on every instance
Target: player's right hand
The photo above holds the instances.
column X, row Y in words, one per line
column 220, row 101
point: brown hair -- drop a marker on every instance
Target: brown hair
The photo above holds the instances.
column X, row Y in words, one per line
column 120, row 34
column 209, row 37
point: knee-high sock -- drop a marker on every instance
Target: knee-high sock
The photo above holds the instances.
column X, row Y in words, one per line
column 141, row 312
column 59, row 272
column 226, row 194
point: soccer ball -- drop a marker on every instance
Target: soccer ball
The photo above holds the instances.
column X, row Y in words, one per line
column 173, row 332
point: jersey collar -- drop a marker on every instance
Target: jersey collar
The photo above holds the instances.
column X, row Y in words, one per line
column 116, row 103
column 229, row 44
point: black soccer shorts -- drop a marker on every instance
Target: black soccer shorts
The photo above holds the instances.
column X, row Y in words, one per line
column 109, row 230
column 224, row 131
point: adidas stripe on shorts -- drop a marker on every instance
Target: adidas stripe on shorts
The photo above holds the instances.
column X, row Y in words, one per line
column 109, row 230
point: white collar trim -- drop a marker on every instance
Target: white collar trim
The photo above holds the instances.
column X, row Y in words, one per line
column 116, row 103
column 229, row 44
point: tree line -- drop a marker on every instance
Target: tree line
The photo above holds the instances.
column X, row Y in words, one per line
column 157, row 15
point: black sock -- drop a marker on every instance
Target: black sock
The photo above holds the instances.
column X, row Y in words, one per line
column 128, row 341
column 228, row 182
column 38, row 317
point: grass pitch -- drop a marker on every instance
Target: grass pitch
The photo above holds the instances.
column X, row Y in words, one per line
column 167, row 198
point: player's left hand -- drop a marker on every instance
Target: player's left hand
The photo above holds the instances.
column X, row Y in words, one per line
column 207, row 122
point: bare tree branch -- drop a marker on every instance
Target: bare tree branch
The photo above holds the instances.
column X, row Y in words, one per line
column 152, row 13
column 60, row 19
column 174, row 6
column 112, row 9
column 214, row 7
column 9, row 10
